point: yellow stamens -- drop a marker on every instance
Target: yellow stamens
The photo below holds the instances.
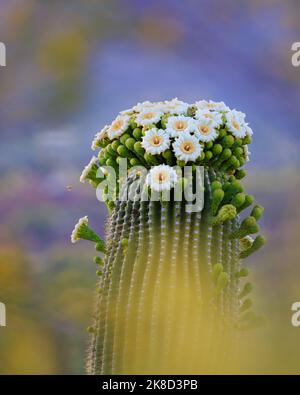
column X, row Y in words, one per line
column 116, row 125
column 180, row 125
column 149, row 115
column 187, row 147
column 203, row 129
column 162, row 177
column 156, row 141
column 236, row 125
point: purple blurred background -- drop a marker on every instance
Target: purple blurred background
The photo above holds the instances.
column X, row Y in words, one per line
column 71, row 67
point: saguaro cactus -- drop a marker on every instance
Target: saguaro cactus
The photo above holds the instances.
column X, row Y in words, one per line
column 170, row 293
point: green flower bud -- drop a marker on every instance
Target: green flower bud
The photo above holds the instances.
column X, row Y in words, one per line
column 139, row 149
column 226, row 185
column 242, row 161
column 90, row 329
column 99, row 273
column 137, row 133
column 124, row 137
column 238, row 142
column 244, row 272
column 111, row 162
column 239, row 199
column 217, row 149
column 222, row 133
column 102, row 161
column 217, row 197
column 256, row 245
column 239, row 174
column 226, row 213
column 168, row 156
column 106, row 154
column 208, row 155
column 227, row 141
column 129, row 143
column 151, row 159
column 132, row 123
column 115, row 144
column 111, row 151
column 257, row 212
column 118, row 160
column 135, row 162
column 209, row 145
column 247, row 304
column 233, row 188
column 226, row 154
column 201, row 158
column 249, row 199
column 238, row 151
column 247, row 140
column 124, row 152
column 231, row 162
column 98, row 261
column 216, row 185
column 248, row 287
column 247, row 227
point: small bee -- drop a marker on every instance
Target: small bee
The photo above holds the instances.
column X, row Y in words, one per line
column 68, row 188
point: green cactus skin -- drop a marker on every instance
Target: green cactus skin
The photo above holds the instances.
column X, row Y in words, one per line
column 165, row 248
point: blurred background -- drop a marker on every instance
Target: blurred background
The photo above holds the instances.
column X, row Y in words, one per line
column 71, row 67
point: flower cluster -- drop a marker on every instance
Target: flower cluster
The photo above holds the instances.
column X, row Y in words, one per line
column 172, row 133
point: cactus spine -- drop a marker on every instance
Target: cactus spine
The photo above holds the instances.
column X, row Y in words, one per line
column 170, row 293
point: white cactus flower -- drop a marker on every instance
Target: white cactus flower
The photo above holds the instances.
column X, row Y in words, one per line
column 99, row 137
column 148, row 117
column 146, row 105
column 118, row 126
column 187, row 148
column 161, row 178
column 89, row 169
column 155, row 141
column 214, row 116
column 175, row 106
column 179, row 124
column 205, row 130
column 82, row 223
column 211, row 105
column 235, row 121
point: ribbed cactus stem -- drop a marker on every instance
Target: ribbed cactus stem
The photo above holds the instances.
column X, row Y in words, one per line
column 115, row 279
column 164, row 221
column 144, row 298
column 159, row 267
column 115, row 224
